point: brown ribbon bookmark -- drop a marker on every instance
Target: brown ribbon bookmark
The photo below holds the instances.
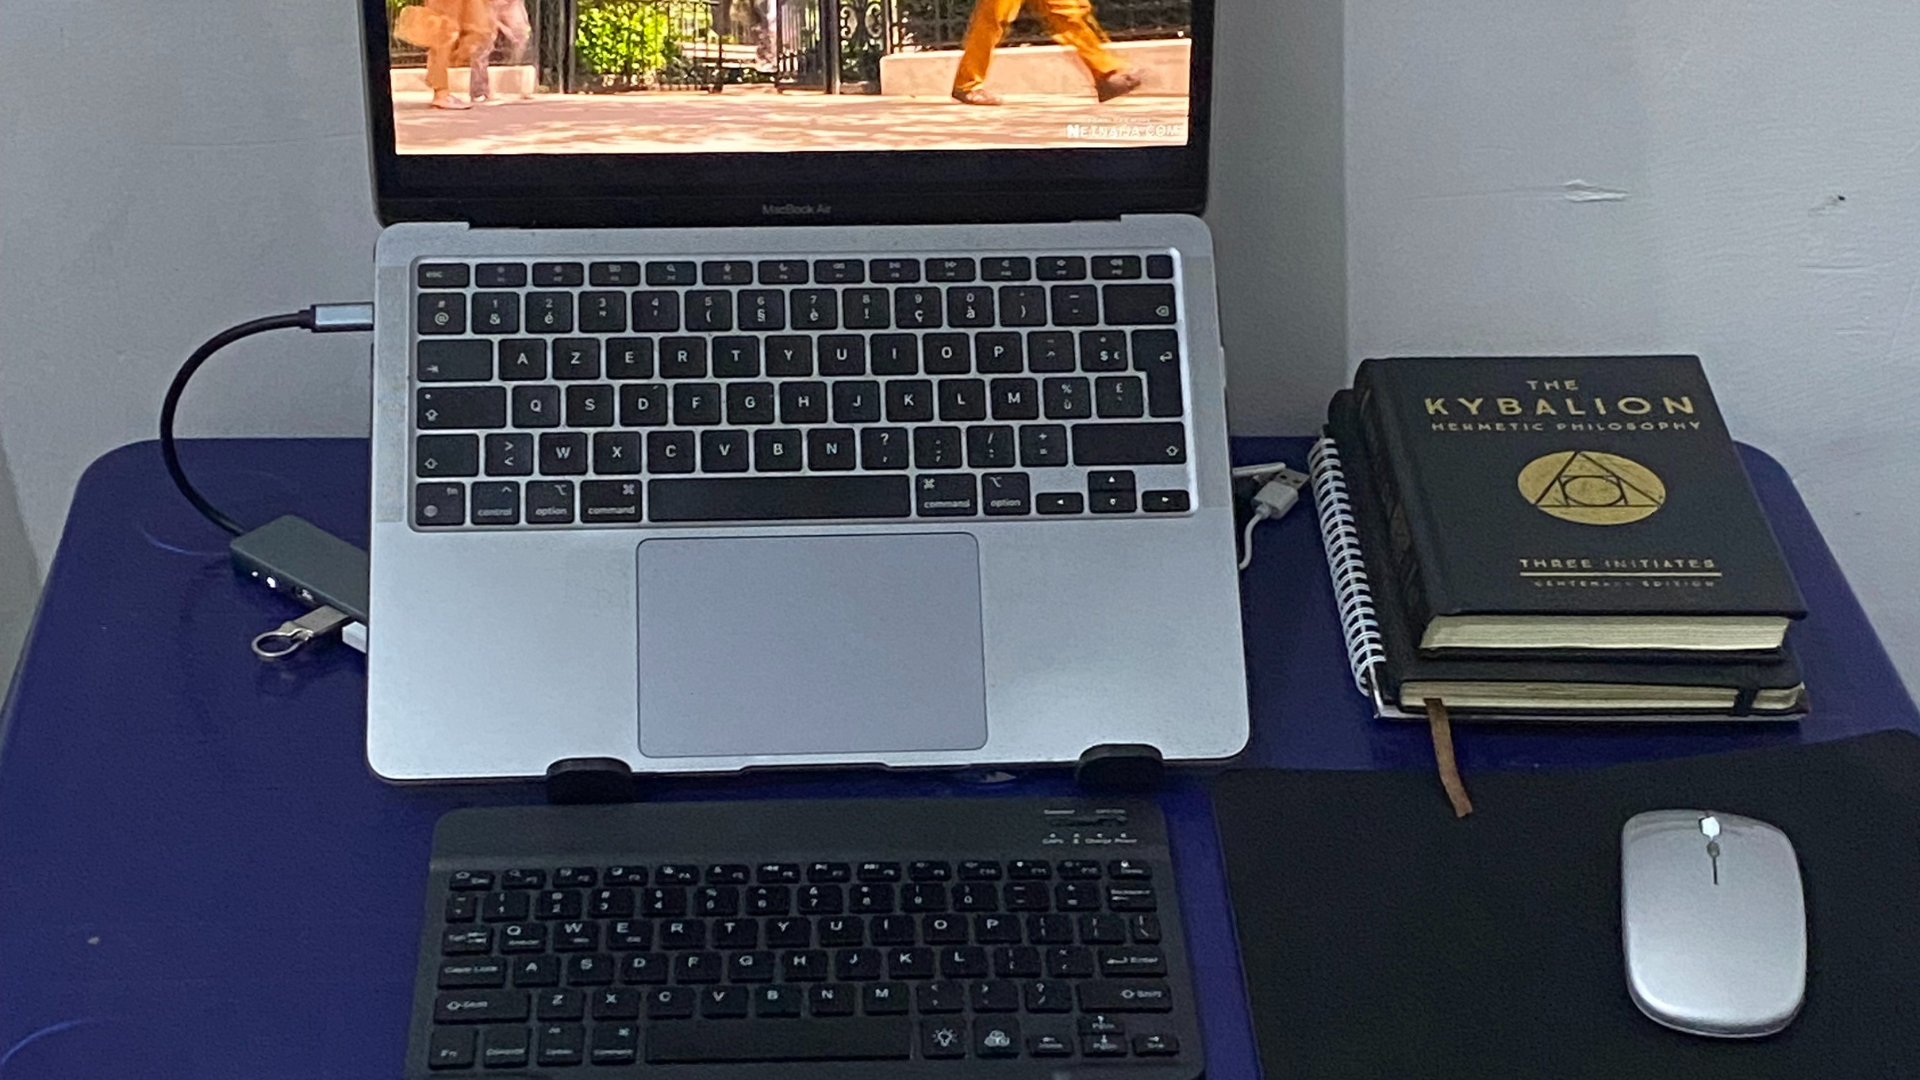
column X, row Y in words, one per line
column 1442, row 730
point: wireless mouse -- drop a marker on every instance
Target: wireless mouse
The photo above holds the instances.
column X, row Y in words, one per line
column 1714, row 922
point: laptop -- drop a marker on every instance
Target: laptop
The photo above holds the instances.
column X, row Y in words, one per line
column 772, row 397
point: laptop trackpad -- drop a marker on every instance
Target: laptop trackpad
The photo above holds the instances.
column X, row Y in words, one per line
column 810, row 645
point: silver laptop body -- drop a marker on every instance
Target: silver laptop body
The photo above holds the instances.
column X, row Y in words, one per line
column 591, row 552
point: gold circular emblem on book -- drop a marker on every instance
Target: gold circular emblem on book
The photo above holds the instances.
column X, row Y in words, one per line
column 1591, row 488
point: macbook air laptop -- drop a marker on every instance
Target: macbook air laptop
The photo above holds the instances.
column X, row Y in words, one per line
column 800, row 399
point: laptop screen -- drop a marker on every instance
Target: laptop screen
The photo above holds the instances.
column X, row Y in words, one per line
column 759, row 92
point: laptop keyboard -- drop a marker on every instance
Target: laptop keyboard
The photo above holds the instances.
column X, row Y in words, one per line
column 737, row 390
column 1013, row 946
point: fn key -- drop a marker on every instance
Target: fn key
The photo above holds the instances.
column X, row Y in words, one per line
column 436, row 505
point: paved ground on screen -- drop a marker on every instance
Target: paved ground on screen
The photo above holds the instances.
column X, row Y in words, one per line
column 753, row 119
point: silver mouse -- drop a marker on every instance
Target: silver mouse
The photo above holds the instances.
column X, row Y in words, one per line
column 1714, row 922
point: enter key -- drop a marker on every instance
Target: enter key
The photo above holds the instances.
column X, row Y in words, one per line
column 1130, row 961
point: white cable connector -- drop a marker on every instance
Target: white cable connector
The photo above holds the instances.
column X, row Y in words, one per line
column 339, row 318
column 1278, row 494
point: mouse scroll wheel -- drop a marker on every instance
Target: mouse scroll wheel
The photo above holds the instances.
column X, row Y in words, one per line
column 1710, row 827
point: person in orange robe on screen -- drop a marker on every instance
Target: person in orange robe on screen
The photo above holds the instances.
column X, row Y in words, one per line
column 474, row 22
column 1070, row 22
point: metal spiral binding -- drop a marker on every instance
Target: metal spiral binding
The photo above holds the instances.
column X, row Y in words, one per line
column 1345, row 565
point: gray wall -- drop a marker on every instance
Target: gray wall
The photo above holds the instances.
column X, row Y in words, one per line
column 19, row 576
column 1740, row 180
column 168, row 169
column 1277, row 209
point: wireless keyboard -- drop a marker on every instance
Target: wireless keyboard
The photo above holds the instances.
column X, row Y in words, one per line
column 850, row 938
column 575, row 394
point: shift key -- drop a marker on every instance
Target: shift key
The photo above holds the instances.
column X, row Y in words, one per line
column 1129, row 444
column 1125, row 995
column 480, row 1006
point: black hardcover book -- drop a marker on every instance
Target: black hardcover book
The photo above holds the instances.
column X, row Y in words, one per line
column 1543, row 685
column 1570, row 503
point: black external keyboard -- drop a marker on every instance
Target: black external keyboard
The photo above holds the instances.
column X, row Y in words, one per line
column 827, row 938
column 585, row 393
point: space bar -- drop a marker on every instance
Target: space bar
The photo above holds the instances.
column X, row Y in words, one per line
column 790, row 1040
column 780, row 498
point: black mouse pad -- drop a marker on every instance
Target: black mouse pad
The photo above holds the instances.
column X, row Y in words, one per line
column 1384, row 939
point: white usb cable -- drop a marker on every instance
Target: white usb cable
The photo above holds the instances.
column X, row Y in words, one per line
column 1278, row 492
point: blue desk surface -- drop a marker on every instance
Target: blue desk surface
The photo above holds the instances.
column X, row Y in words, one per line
column 200, row 879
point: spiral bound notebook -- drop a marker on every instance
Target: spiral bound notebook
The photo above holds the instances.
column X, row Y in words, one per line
column 1346, row 566
column 1765, row 690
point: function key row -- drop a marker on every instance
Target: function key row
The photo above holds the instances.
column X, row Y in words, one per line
column 728, row 901
column 792, row 873
column 493, row 275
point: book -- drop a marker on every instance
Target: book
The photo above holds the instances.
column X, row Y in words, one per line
column 1570, row 503
column 1388, row 665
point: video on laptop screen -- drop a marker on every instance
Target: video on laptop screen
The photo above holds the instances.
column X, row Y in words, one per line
column 771, row 76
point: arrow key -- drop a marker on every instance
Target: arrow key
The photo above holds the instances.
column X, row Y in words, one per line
column 1049, row 1046
column 1152, row 1045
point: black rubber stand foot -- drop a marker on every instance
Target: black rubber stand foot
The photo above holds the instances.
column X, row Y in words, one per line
column 1120, row 768
column 574, row 781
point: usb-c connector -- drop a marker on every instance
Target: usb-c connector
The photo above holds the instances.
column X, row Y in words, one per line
column 339, row 318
